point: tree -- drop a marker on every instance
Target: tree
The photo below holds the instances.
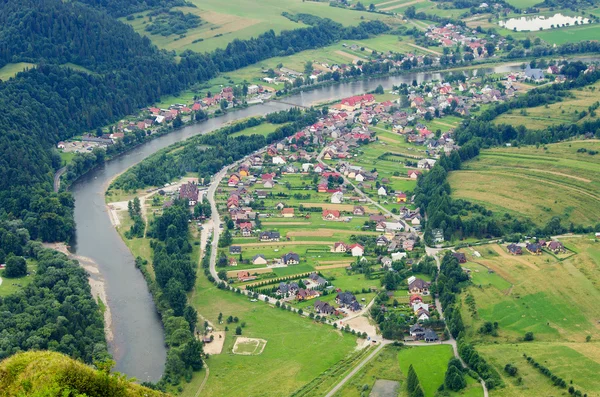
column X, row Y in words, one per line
column 176, row 297
column 528, row 336
column 191, row 316
column 371, row 7
column 379, row 89
column 412, row 380
column 238, row 330
column 454, row 378
column 192, row 354
column 16, row 266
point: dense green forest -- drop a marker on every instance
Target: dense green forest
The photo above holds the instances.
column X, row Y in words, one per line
column 56, row 310
column 121, row 8
column 166, row 23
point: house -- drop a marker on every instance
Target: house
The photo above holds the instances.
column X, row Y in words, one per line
column 348, row 300
column 461, row 257
column 306, row 294
column 514, row 249
column 408, row 245
column 291, row 258
column 414, row 174
column 278, row 160
column 235, row 249
column 418, row 286
column 316, row 280
column 259, row 259
column 244, row 276
column 246, row 229
column 261, row 194
column 337, row 198
column 357, row 250
column 233, row 262
column 359, row 178
column 534, row 74
column 386, row 261
column 323, row 308
column 284, row 288
column 253, row 89
column 331, row 215
column 426, row 163
column 423, row 315
column 437, row 235
column 340, row 247
column 415, row 299
column 420, row 305
column 401, row 197
column 398, row 256
column 358, row 210
column 556, row 246
column 269, row 184
column 534, row 249
column 430, row 336
column 287, row 212
column 269, row 236
column 382, row 241
column 189, row 192
column 381, row 191
column 417, row 331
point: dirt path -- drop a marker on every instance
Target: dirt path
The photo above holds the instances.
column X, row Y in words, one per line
column 348, row 55
column 517, row 258
column 337, row 266
column 410, row 3
column 423, row 48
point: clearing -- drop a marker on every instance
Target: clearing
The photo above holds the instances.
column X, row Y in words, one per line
column 248, row 346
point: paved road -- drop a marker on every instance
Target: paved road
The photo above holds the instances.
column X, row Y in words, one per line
column 57, row 176
column 216, row 221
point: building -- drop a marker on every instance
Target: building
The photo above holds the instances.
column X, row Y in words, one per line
column 340, row 247
column 357, row 250
column 269, row 236
column 287, row 212
column 418, row 286
column 437, row 235
column 461, row 257
column 259, row 259
column 291, row 258
column 514, row 249
column 337, row 198
column 235, row 249
column 556, row 246
column 331, row 215
column 323, row 308
column 430, row 336
column 189, row 192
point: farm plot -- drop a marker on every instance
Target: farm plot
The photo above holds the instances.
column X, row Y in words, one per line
column 536, row 300
column 557, row 180
column 566, row 111
column 248, row 346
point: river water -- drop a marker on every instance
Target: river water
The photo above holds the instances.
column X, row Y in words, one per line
column 138, row 341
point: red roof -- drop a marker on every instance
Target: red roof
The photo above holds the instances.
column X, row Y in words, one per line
column 354, row 100
column 196, row 106
column 356, row 245
column 335, row 213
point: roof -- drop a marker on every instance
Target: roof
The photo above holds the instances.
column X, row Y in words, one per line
column 419, row 284
column 430, row 334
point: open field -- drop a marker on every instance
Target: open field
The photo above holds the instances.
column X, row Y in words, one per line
column 9, row 286
column 297, row 350
column 551, row 298
column 579, row 362
column 567, row 111
column 558, row 181
column 223, row 23
column 431, row 370
column 11, row 69
column 248, row 346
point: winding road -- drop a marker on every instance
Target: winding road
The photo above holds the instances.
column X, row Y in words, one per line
column 57, row 176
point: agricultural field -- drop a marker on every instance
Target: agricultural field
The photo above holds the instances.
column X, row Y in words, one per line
column 223, row 23
column 559, row 180
column 297, row 350
column 552, row 298
column 530, row 297
column 566, row 112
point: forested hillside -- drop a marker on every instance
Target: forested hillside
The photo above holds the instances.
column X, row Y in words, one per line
column 120, row 8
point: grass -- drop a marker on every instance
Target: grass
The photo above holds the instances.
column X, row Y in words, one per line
column 66, row 157
column 11, row 285
column 551, row 298
column 567, row 111
column 558, row 180
column 297, row 350
column 579, row 362
column 430, row 364
column 224, row 23
column 11, row 69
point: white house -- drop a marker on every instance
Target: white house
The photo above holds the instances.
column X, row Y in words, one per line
column 252, row 89
column 278, row 160
column 306, row 167
column 397, row 256
column 357, row 250
column 359, row 178
column 337, row 198
column 420, row 305
column 426, row 163
column 381, row 191
column 394, row 226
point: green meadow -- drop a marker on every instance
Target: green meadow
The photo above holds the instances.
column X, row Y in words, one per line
column 11, row 69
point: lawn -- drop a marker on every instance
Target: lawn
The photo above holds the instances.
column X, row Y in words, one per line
column 559, row 181
column 11, row 69
column 579, row 362
column 566, row 111
column 223, row 23
column 297, row 351
column 553, row 299
column 11, row 285
column 430, row 364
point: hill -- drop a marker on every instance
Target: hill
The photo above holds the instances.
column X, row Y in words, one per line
column 54, row 374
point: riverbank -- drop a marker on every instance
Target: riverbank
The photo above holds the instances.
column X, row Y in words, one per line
column 96, row 282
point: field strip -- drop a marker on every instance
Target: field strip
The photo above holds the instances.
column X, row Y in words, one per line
column 446, row 124
column 339, row 207
column 283, row 243
column 410, row 3
column 339, row 265
column 323, row 232
column 583, row 192
column 348, row 55
column 423, row 48
column 517, row 258
column 578, row 178
column 258, row 270
column 285, row 223
column 387, row 139
column 388, row 2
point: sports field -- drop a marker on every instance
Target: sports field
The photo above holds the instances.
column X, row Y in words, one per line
column 537, row 183
column 565, row 112
column 224, row 22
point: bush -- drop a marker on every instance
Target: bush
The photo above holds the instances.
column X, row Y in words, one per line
column 528, row 337
column 238, row 330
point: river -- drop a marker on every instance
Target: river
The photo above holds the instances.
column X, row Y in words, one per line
column 138, row 341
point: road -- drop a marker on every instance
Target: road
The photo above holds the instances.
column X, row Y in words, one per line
column 357, row 368
column 215, row 220
column 57, row 176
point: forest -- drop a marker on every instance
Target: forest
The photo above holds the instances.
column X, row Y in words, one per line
column 56, row 310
